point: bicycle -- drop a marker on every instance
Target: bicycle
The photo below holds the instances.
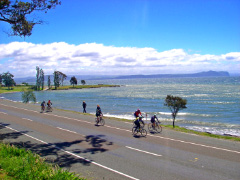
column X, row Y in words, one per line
column 157, row 128
column 49, row 109
column 140, row 130
column 100, row 120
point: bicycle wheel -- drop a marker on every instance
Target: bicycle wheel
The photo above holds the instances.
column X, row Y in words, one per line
column 158, row 128
column 102, row 122
column 150, row 127
column 96, row 121
column 134, row 131
column 144, row 132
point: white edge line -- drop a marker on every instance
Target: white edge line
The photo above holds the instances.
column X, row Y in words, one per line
column 80, row 157
column 143, row 151
column 196, row 144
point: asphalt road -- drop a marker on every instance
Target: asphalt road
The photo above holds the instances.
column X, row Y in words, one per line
column 111, row 152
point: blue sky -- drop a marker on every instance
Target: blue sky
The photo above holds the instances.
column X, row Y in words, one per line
column 111, row 36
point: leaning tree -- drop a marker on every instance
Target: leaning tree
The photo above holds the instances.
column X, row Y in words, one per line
column 175, row 104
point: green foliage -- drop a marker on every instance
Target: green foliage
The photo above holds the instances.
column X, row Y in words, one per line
column 175, row 104
column 49, row 82
column 16, row 13
column 22, row 164
column 8, row 79
column 73, row 80
column 83, row 82
column 39, row 78
column 56, row 76
column 28, row 95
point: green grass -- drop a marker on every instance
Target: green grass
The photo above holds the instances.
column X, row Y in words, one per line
column 84, row 86
column 17, row 163
column 13, row 89
column 181, row 129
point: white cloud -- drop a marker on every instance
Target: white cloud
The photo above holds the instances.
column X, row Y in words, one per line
column 21, row 58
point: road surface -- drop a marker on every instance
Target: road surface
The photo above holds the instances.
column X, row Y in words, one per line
column 111, row 152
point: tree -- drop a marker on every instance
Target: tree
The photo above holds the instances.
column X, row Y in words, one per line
column 0, row 79
column 49, row 82
column 42, row 78
column 73, row 80
column 16, row 13
column 175, row 104
column 39, row 78
column 62, row 76
column 83, row 82
column 56, row 80
column 28, row 95
column 8, row 79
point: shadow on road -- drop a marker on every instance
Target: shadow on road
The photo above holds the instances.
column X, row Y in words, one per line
column 53, row 151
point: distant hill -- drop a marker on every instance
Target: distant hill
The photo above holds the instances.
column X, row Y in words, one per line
column 32, row 80
column 201, row 74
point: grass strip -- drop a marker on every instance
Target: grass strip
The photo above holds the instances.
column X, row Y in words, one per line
column 18, row 163
column 13, row 89
column 85, row 86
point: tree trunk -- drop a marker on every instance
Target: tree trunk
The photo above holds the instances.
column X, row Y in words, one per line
column 174, row 116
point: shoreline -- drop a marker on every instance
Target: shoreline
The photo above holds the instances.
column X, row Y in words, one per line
column 168, row 127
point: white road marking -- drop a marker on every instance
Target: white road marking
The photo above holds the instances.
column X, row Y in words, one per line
column 143, row 151
column 176, row 140
column 196, row 144
column 27, row 119
column 80, row 157
column 3, row 113
column 68, row 131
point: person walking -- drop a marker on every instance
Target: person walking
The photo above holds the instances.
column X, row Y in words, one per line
column 84, row 104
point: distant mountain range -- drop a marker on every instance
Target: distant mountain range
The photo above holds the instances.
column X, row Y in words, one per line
column 31, row 80
column 201, row 74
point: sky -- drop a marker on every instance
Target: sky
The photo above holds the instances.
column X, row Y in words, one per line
column 127, row 37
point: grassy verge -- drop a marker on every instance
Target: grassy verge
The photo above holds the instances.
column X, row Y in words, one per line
column 85, row 86
column 181, row 129
column 16, row 163
column 13, row 89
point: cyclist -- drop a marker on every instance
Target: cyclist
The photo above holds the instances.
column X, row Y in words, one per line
column 43, row 104
column 138, row 121
column 153, row 120
column 49, row 103
column 98, row 112
column 137, row 113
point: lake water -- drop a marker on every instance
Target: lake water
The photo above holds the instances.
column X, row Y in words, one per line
column 213, row 104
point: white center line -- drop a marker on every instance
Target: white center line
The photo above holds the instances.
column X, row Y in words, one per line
column 143, row 151
column 27, row 119
column 69, row 131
